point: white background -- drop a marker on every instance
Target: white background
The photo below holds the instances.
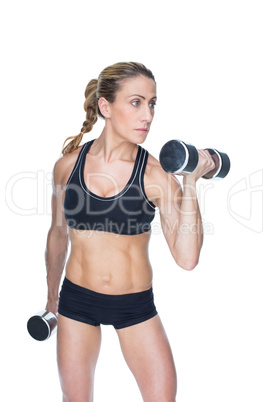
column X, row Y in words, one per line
column 210, row 62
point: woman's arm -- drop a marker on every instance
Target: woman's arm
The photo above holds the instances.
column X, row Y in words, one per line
column 57, row 241
column 179, row 212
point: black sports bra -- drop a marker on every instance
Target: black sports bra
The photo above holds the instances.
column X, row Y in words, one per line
column 128, row 212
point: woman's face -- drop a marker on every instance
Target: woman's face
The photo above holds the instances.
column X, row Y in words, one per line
column 132, row 112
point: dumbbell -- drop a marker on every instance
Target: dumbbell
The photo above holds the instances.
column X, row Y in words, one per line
column 42, row 325
column 178, row 156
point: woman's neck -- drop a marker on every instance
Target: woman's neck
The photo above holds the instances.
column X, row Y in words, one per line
column 113, row 147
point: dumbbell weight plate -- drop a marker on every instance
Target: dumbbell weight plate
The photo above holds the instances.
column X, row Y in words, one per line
column 177, row 156
column 42, row 325
column 222, row 165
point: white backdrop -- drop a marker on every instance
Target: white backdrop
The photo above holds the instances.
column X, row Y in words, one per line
column 210, row 62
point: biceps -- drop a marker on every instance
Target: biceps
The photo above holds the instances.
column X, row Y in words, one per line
column 170, row 221
column 170, row 218
column 169, row 204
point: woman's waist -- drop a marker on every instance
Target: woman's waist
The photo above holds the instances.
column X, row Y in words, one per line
column 115, row 274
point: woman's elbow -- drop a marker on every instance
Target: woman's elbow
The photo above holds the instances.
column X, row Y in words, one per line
column 187, row 264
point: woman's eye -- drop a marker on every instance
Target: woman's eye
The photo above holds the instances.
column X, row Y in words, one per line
column 135, row 103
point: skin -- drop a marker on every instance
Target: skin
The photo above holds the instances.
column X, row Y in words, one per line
column 118, row 264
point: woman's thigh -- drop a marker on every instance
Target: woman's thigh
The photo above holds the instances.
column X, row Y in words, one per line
column 147, row 352
column 78, row 347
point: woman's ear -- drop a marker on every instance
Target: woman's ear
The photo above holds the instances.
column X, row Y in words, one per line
column 104, row 107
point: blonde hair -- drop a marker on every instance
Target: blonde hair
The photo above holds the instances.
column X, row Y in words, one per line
column 106, row 86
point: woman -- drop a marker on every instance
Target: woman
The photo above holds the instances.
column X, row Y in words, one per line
column 104, row 198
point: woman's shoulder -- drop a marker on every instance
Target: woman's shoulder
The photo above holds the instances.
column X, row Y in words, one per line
column 154, row 169
column 157, row 181
column 64, row 165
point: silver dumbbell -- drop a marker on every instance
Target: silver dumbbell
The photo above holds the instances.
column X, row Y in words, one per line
column 177, row 156
column 42, row 325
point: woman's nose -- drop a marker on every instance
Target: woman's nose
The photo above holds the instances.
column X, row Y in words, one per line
column 147, row 114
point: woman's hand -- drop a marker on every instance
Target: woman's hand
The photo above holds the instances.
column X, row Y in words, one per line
column 52, row 306
column 205, row 165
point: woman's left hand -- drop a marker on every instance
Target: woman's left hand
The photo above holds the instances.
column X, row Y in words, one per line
column 205, row 165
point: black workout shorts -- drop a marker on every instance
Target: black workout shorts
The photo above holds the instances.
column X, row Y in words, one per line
column 84, row 305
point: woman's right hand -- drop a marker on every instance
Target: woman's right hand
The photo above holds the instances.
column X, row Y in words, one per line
column 52, row 306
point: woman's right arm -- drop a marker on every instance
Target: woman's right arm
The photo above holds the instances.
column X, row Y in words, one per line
column 57, row 239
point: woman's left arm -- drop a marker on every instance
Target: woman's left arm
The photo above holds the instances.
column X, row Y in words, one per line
column 180, row 216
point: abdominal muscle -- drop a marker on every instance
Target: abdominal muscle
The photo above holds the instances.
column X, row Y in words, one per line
column 109, row 263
